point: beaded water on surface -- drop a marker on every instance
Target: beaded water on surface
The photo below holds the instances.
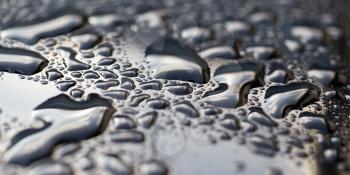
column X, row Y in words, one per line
column 173, row 87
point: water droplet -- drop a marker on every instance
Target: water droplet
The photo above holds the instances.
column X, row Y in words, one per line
column 225, row 52
column 137, row 99
column 117, row 94
column 15, row 60
column 106, row 61
column 152, row 85
column 123, row 136
column 187, row 109
column 77, row 93
column 195, row 34
column 53, row 74
column 262, row 17
column 123, row 122
column 330, row 155
column 86, row 40
column 158, row 103
column 278, row 73
column 50, row 168
column 106, row 84
column 33, row 33
column 133, row 72
column 235, row 82
column 65, row 85
column 146, row 120
column 258, row 116
column 262, row 145
column 172, row 61
column 152, row 167
column 262, row 52
column 91, row 75
column 71, row 62
column 112, row 165
column 105, row 50
column 313, row 121
column 127, row 84
column 237, row 27
column 179, row 89
column 292, row 95
column 229, row 123
column 68, row 121
column 108, row 74
column 326, row 74
column 273, row 171
column 107, row 21
column 307, row 35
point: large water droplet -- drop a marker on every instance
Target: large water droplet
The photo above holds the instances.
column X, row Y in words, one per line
column 262, row 145
column 225, row 52
column 67, row 120
column 86, row 40
column 235, row 82
column 237, row 27
column 313, row 121
column 325, row 74
column 15, row 60
column 258, row 116
column 306, row 34
column 33, row 33
column 195, row 34
column 292, row 95
column 278, row 73
column 173, row 61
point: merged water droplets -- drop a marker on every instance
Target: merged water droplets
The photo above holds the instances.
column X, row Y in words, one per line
column 235, row 81
column 292, row 95
column 63, row 120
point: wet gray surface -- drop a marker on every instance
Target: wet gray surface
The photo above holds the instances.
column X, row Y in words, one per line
column 174, row 87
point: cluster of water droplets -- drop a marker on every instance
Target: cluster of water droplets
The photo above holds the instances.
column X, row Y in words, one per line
column 143, row 86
